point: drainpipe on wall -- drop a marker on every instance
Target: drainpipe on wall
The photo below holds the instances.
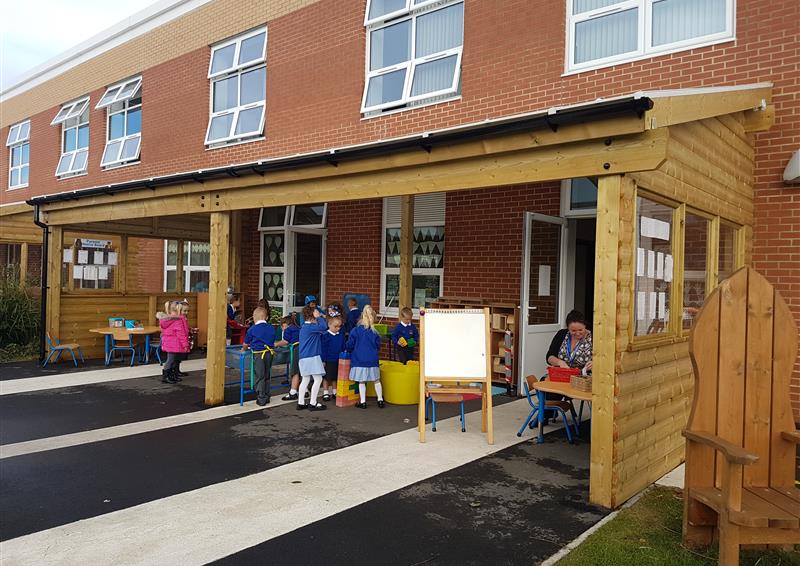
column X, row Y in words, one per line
column 43, row 309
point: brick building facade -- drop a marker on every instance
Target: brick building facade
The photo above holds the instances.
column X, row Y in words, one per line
column 513, row 62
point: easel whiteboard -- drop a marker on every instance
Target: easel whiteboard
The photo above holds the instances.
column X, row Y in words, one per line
column 454, row 344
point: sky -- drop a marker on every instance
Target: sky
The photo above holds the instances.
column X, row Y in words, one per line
column 34, row 31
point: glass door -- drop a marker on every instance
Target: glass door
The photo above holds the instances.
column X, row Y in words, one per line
column 543, row 289
column 307, row 267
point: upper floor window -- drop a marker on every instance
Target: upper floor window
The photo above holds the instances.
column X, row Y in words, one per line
column 238, row 77
column 20, row 154
column 606, row 32
column 124, row 124
column 74, row 120
column 413, row 52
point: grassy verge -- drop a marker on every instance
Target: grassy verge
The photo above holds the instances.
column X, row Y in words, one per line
column 17, row 353
column 649, row 532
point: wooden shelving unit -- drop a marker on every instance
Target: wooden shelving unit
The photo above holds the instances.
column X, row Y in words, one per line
column 504, row 323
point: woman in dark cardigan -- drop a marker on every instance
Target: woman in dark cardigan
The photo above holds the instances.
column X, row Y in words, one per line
column 572, row 346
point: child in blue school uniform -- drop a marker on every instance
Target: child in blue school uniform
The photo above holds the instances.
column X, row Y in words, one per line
column 364, row 345
column 260, row 338
column 405, row 336
column 291, row 335
column 353, row 314
column 311, row 366
column 332, row 346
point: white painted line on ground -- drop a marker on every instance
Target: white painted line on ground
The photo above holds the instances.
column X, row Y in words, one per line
column 129, row 429
column 103, row 375
column 207, row 524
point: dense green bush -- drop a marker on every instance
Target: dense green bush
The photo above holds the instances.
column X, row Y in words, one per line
column 19, row 315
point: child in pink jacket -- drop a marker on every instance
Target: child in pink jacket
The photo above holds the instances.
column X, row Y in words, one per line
column 174, row 341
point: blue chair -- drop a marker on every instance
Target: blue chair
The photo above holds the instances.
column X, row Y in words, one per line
column 551, row 409
column 58, row 348
column 155, row 348
column 121, row 341
column 444, row 398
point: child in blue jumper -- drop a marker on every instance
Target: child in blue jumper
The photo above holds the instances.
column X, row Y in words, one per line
column 260, row 338
column 291, row 335
column 332, row 346
column 364, row 344
column 405, row 336
column 311, row 366
column 353, row 314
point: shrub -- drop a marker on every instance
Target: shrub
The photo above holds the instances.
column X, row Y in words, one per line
column 19, row 313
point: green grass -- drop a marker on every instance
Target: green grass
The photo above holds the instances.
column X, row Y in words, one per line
column 17, row 353
column 649, row 533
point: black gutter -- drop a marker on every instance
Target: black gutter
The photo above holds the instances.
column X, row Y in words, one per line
column 600, row 110
column 43, row 277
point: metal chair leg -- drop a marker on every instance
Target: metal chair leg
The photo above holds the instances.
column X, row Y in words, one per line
column 527, row 421
column 47, row 359
column 463, row 424
column 74, row 361
column 433, row 415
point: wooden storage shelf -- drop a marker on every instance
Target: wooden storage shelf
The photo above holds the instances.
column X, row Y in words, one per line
column 500, row 313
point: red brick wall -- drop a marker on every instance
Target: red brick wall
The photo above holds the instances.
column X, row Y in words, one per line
column 145, row 265
column 513, row 62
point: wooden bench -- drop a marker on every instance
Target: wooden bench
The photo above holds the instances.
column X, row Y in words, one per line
column 741, row 439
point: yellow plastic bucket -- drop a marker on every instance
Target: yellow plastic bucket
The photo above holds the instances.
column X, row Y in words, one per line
column 400, row 383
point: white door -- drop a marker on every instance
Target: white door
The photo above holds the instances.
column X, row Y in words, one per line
column 543, row 289
column 306, row 269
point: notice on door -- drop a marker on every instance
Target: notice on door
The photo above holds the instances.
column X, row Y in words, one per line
column 544, row 280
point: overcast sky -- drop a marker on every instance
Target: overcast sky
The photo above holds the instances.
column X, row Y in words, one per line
column 33, row 31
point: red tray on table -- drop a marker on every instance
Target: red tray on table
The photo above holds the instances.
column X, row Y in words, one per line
column 561, row 375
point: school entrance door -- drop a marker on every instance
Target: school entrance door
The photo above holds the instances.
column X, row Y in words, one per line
column 543, row 289
column 293, row 255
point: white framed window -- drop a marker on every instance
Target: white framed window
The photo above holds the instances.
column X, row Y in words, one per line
column 74, row 138
column 299, row 216
column 238, row 76
column 414, row 50
column 196, row 270
column 579, row 197
column 607, row 32
column 19, row 158
column 428, row 258
column 123, row 124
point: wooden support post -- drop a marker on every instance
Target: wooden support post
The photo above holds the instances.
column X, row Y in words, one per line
column 23, row 264
column 404, row 298
column 217, row 307
column 612, row 191
column 54, row 258
column 234, row 256
column 180, row 260
column 122, row 265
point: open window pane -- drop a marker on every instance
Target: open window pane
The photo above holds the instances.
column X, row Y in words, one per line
column 654, row 267
column 274, row 216
column 678, row 20
column 220, row 127
column 581, row 6
column 440, row 30
column 386, row 88
column 13, row 134
column 62, row 114
column 111, row 153
column 252, row 48
column 130, row 149
column 694, row 267
column 226, row 93
column 24, row 131
column 77, row 110
column 606, row 36
column 79, row 163
column 249, row 121
column 222, row 58
column 390, row 45
column 309, row 215
column 434, row 76
column 378, row 8
column 128, row 90
column 254, row 86
column 64, row 164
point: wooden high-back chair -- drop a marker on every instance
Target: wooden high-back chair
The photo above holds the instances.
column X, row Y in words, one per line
column 740, row 439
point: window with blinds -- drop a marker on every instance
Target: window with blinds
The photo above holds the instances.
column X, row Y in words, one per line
column 413, row 52
column 428, row 251
column 606, row 32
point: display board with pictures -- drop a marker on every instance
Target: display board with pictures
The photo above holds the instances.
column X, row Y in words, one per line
column 92, row 262
column 654, row 267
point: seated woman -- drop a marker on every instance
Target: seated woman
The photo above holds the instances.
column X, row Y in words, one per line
column 572, row 346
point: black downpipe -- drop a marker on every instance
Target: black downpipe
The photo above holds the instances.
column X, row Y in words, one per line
column 43, row 302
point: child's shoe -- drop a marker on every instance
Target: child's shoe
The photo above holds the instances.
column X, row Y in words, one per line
column 381, row 403
column 317, row 407
column 261, row 401
column 301, row 406
column 289, row 397
column 326, row 397
column 361, row 405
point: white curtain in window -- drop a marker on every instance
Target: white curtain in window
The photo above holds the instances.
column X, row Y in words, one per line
column 606, row 36
column 436, row 32
column 677, row 20
column 581, row 6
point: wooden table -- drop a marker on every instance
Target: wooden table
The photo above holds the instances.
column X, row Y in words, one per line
column 559, row 388
column 118, row 333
